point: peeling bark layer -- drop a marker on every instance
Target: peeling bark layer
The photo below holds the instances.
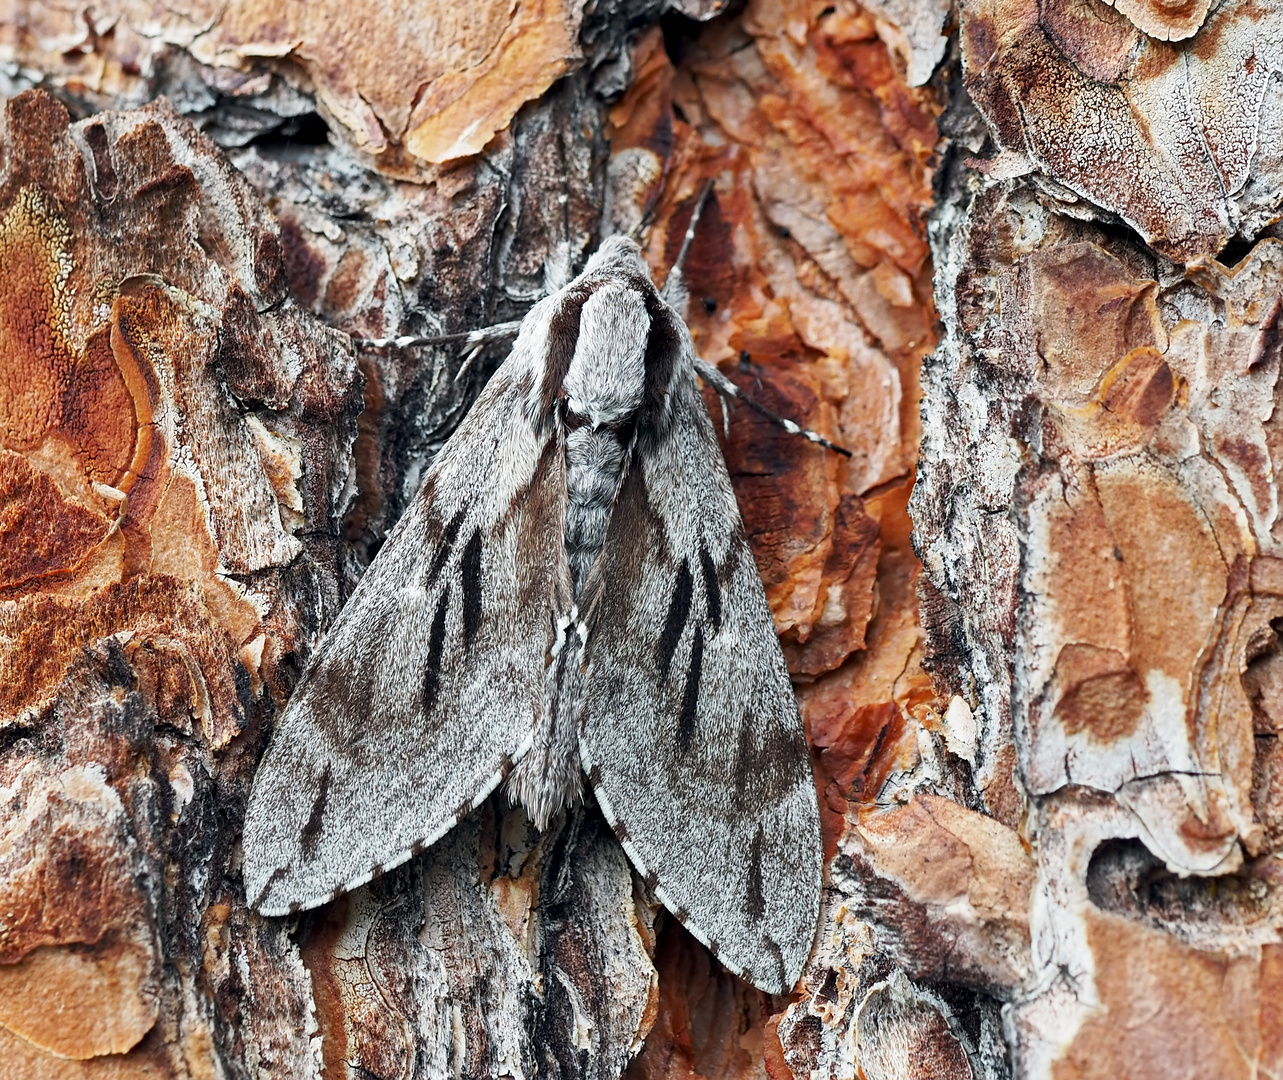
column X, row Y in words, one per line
column 1047, row 754
column 1097, row 511
column 1179, row 140
column 176, row 451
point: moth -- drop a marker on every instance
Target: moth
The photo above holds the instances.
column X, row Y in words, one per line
column 568, row 602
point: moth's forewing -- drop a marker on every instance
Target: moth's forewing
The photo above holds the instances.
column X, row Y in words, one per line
column 691, row 736
column 430, row 683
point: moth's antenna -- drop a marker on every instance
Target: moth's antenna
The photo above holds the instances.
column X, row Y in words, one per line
column 725, row 387
column 643, row 223
column 674, row 290
column 694, row 224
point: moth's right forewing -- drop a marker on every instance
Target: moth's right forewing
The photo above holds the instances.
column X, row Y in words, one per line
column 428, row 686
column 691, row 736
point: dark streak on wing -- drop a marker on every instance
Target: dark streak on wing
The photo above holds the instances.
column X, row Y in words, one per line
column 690, row 696
column 678, row 610
column 764, row 770
column 436, row 650
column 778, row 954
column 652, row 880
column 563, row 335
column 311, row 833
column 446, row 546
column 342, row 691
column 470, row 571
column 542, row 504
column 663, row 346
column 712, row 590
column 754, row 903
column 277, row 874
column 621, row 833
column 736, row 553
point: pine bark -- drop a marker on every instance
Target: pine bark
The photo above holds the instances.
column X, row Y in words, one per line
column 1023, row 259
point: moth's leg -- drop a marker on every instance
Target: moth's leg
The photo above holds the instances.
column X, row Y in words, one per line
column 478, row 339
column 728, row 389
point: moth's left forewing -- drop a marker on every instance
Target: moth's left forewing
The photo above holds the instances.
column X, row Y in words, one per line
column 691, row 736
column 429, row 685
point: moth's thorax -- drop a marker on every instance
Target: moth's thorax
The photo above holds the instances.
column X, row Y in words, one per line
column 607, row 374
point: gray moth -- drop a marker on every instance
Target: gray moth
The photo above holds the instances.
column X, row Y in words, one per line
column 570, row 598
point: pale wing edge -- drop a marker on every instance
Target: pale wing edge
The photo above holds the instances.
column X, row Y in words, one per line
column 682, row 914
column 417, row 848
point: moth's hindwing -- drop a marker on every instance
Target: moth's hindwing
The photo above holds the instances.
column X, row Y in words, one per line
column 691, row 736
column 430, row 683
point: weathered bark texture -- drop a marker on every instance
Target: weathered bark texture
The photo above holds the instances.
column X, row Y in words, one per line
column 1047, row 754
column 1097, row 508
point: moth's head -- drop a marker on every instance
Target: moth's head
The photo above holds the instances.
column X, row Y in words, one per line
column 609, row 346
column 617, row 255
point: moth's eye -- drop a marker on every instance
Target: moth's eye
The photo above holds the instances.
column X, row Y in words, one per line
column 710, row 304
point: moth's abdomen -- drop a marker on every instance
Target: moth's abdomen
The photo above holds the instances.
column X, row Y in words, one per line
column 600, row 394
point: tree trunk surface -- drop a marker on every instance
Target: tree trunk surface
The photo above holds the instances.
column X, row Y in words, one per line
column 1022, row 258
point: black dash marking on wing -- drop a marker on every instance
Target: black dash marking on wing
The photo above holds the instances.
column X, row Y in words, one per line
column 311, row 833
column 594, row 776
column 754, row 903
column 678, row 610
column 690, row 697
column 682, row 915
column 652, row 880
column 621, row 833
column 769, row 760
column 443, row 551
column 563, row 336
column 464, row 809
column 662, row 349
column 436, row 649
column 277, row 874
column 470, row 569
column 778, row 955
column 714, row 948
column 712, row 589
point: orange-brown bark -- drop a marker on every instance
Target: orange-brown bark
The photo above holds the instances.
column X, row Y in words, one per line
column 1047, row 754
